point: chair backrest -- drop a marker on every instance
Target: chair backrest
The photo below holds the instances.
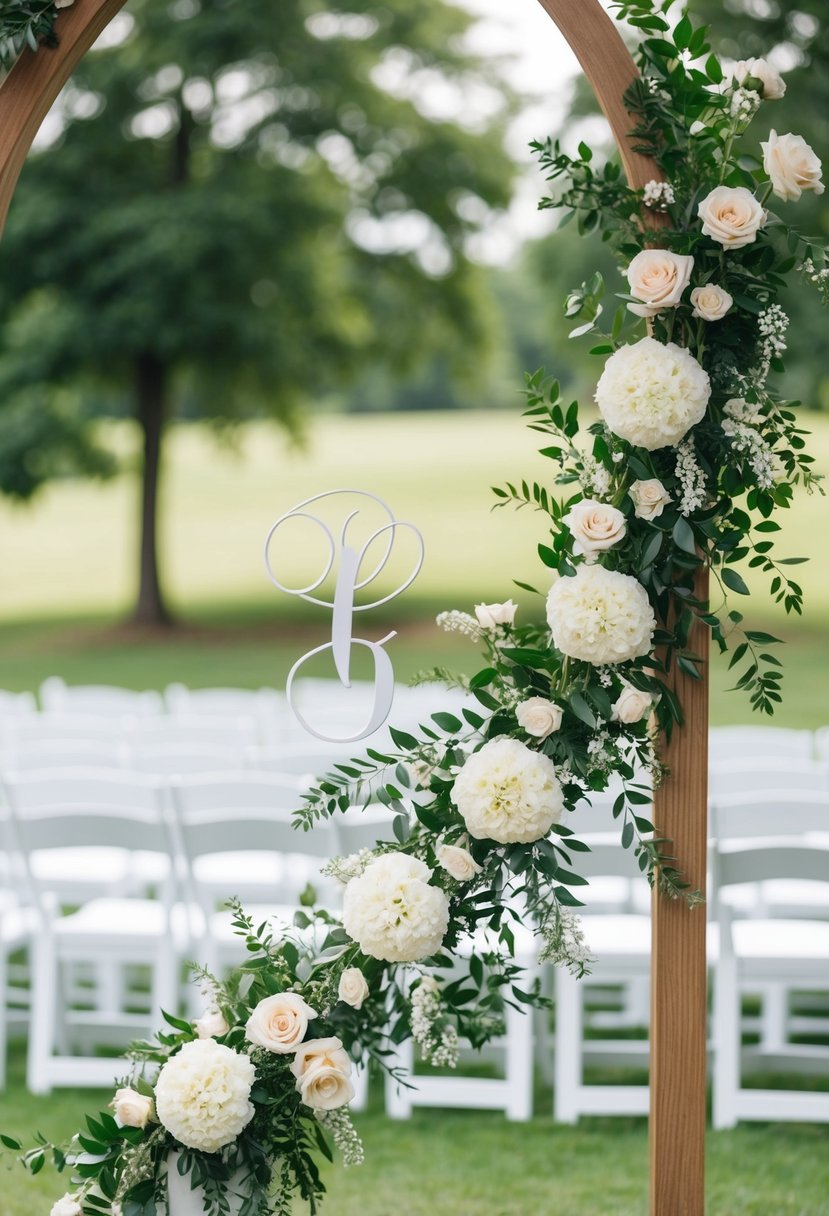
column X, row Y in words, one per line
column 361, row 828
column 767, row 860
column 746, row 742
column 92, row 808
column 822, row 743
column 171, row 759
column 771, row 813
column 240, row 812
column 298, row 761
column 56, row 696
column 745, row 776
column 16, row 704
column 206, row 730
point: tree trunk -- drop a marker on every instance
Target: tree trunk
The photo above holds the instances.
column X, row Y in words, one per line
column 150, row 393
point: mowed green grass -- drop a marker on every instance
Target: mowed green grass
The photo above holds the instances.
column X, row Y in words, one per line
column 447, row 1163
column 69, row 559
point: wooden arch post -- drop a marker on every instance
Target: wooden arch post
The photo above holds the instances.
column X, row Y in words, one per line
column 678, row 963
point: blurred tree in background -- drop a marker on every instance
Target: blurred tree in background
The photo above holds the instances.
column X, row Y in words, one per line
column 240, row 206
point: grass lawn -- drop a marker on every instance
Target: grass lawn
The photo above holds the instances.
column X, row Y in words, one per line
column 468, row 1163
column 69, row 558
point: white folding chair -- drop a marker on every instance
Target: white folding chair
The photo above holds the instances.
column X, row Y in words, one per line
column 762, row 742
column 18, row 923
column 117, row 811
column 63, row 753
column 310, row 762
column 36, row 729
column 56, row 696
column 785, row 814
column 236, row 838
column 752, row 952
column 511, row 1092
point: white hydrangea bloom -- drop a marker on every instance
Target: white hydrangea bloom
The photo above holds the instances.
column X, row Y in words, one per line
column 600, row 616
column 393, row 913
column 651, row 393
column 202, row 1095
column 508, row 793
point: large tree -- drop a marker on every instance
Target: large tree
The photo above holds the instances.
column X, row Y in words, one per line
column 239, row 203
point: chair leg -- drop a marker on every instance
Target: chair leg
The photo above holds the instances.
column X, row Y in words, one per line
column 727, row 1044
column 518, row 1051
column 569, row 1048
column 775, row 1018
column 44, row 990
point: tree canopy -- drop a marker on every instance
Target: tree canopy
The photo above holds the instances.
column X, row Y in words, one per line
column 235, row 207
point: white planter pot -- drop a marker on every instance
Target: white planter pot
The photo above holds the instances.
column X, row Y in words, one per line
column 184, row 1201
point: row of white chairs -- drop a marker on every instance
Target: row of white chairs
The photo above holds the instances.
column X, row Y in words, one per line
column 226, row 819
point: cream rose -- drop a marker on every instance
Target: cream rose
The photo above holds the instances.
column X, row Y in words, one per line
column 632, row 705
column 132, row 1109
column 649, row 498
column 490, row 616
column 457, row 862
column 67, row 1205
column 539, row 717
column 211, row 1025
column 774, row 86
column 595, row 526
column 323, row 1070
column 792, row 166
column 731, row 215
column 353, row 988
column 278, row 1023
column 711, row 302
column 658, row 278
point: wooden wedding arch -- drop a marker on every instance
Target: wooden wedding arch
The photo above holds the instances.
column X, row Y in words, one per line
column 678, row 962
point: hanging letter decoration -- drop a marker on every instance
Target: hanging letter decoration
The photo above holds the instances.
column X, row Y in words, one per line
column 347, row 561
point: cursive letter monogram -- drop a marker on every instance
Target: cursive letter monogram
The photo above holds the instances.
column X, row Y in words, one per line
column 348, row 583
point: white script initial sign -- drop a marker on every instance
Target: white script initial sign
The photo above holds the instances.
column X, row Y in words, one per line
column 349, row 580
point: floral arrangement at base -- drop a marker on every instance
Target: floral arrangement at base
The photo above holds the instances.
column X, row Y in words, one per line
column 693, row 454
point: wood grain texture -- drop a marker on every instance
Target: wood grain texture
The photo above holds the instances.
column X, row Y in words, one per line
column 679, row 1007
column 31, row 87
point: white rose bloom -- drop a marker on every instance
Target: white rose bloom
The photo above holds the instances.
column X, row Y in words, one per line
column 508, row 793
column 632, row 705
column 711, row 302
column 595, row 526
column 323, row 1070
column 278, row 1023
column 457, row 862
column 792, row 166
column 600, row 616
column 490, row 616
column 393, row 913
column 353, row 988
column 649, row 498
column 202, row 1095
column 658, row 278
column 539, row 717
column 774, row 86
column 211, row 1025
column 132, row 1109
column 67, row 1205
column 652, row 393
column 731, row 215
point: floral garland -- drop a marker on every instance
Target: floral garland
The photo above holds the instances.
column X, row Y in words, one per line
column 692, row 455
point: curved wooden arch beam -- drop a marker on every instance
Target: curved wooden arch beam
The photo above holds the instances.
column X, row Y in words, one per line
column 679, row 1005
column 31, row 87
column 678, row 969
